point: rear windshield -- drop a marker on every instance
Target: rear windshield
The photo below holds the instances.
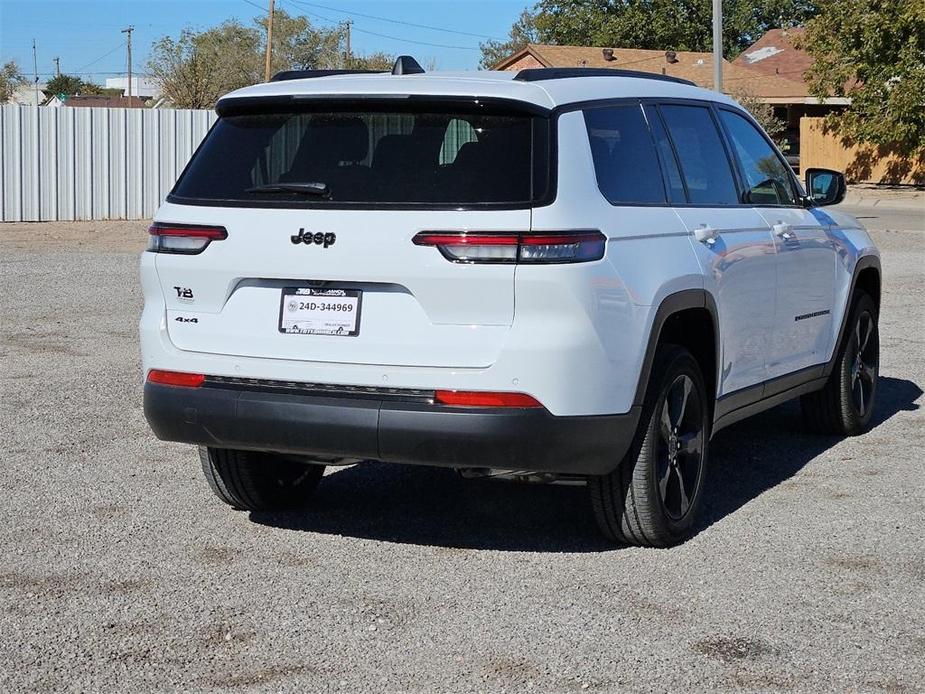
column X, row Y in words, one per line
column 373, row 156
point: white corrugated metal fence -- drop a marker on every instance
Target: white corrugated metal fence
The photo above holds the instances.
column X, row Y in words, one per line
column 92, row 163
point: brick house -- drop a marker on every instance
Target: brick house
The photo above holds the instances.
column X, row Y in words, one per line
column 770, row 71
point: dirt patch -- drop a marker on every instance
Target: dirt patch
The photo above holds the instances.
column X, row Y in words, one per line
column 852, row 563
column 262, row 677
column 216, row 556
column 733, row 649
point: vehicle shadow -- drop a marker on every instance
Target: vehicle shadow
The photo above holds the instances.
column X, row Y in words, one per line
column 433, row 506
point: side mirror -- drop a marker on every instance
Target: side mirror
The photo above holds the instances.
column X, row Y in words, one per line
column 825, row 187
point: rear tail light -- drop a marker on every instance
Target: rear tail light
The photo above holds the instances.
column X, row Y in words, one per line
column 480, row 398
column 175, row 378
column 188, row 239
column 508, row 247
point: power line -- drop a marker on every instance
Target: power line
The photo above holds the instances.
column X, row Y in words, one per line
column 400, row 21
column 94, row 62
column 384, row 36
column 419, row 43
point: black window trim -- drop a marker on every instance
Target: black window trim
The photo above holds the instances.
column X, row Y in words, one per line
column 656, row 114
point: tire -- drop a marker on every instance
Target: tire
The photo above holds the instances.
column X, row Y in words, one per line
column 257, row 481
column 845, row 404
column 640, row 502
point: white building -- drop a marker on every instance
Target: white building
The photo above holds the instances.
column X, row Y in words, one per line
column 141, row 86
column 24, row 95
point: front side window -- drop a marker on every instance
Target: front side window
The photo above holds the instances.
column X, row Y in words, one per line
column 625, row 159
column 288, row 157
column 704, row 164
column 767, row 177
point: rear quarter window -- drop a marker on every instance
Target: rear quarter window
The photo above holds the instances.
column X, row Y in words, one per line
column 625, row 159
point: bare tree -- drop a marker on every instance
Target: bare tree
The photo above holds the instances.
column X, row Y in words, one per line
column 11, row 78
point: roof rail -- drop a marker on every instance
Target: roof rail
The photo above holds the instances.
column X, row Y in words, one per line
column 538, row 74
column 306, row 74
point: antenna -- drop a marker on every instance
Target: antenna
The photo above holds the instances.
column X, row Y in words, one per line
column 406, row 65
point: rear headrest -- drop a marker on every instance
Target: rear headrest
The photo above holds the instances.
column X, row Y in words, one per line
column 347, row 139
column 468, row 155
column 393, row 150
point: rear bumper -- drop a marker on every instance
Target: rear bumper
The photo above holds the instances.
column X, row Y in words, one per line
column 387, row 429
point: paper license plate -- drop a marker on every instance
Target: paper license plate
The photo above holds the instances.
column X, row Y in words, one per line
column 309, row 311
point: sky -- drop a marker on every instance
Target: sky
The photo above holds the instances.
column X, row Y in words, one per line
column 85, row 34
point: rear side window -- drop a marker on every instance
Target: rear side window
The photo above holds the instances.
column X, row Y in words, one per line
column 704, row 164
column 625, row 159
column 767, row 177
column 368, row 156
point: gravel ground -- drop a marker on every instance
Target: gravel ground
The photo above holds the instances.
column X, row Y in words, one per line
column 121, row 571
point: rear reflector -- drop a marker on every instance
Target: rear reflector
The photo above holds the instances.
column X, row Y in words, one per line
column 175, row 378
column 466, row 398
column 187, row 239
column 509, row 247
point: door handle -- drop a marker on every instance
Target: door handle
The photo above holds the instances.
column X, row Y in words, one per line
column 784, row 231
column 706, row 234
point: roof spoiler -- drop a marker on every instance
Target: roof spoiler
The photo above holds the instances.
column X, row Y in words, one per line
column 404, row 65
column 307, row 74
column 539, row 74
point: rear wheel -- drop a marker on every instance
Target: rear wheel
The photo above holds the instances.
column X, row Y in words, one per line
column 845, row 405
column 653, row 497
column 257, row 481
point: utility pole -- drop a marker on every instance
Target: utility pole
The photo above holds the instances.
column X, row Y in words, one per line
column 347, row 54
column 128, row 31
column 266, row 67
column 718, row 46
column 35, row 73
column 57, row 62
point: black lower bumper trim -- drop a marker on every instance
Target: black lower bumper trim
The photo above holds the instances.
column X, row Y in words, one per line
column 398, row 432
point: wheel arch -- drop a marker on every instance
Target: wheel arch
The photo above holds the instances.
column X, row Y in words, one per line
column 688, row 318
column 867, row 277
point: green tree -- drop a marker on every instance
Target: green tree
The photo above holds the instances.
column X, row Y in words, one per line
column 299, row 45
column 683, row 25
column 523, row 32
column 379, row 61
column 196, row 68
column 64, row 85
column 764, row 114
column 11, row 78
column 874, row 53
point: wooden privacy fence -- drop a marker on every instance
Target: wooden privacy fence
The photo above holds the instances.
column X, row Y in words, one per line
column 92, row 163
column 862, row 163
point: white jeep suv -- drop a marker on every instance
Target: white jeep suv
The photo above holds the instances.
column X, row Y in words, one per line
column 570, row 272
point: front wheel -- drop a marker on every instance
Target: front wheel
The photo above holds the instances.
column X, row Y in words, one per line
column 258, row 481
column 845, row 404
column 653, row 497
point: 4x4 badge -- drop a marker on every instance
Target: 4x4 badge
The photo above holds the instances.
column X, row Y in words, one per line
column 317, row 238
